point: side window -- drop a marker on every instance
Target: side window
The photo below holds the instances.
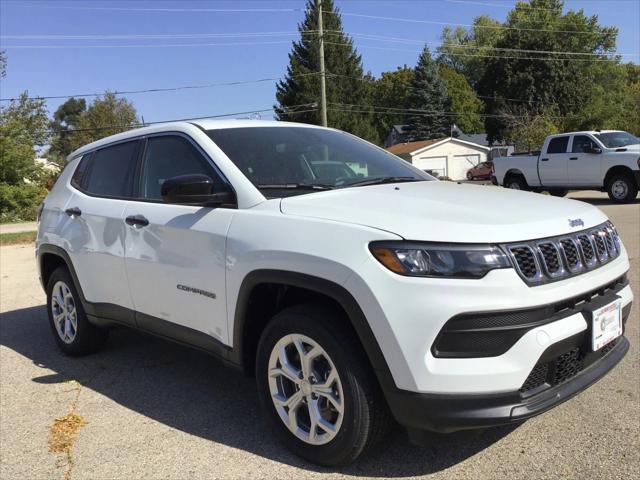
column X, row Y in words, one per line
column 169, row 156
column 110, row 170
column 558, row 145
column 582, row 144
column 78, row 175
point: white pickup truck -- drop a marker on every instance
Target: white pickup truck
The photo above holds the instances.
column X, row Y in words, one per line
column 606, row 160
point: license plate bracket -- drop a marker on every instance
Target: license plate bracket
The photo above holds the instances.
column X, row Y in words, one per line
column 604, row 324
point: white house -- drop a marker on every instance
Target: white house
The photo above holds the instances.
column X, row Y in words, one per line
column 449, row 157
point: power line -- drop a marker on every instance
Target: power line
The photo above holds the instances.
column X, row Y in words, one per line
column 166, row 45
column 167, row 10
column 159, row 122
column 168, row 89
column 488, row 97
column 487, row 56
column 153, row 36
column 467, row 25
column 405, row 40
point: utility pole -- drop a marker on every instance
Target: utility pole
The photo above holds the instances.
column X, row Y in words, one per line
column 323, row 85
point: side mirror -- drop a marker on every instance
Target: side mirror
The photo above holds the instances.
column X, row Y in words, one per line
column 194, row 189
column 595, row 150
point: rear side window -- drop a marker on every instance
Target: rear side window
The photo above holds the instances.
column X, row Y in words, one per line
column 110, row 171
column 78, row 175
column 558, row 145
column 170, row 156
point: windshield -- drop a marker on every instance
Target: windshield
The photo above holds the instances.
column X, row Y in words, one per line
column 284, row 161
column 617, row 139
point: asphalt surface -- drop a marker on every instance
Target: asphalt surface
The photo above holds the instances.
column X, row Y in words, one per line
column 156, row 410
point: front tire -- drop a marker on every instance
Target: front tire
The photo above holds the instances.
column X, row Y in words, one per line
column 558, row 192
column 316, row 387
column 71, row 329
column 469, row 176
column 622, row 188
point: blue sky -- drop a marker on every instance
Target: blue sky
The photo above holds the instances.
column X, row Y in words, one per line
column 64, row 71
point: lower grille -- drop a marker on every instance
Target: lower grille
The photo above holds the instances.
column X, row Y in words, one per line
column 562, row 368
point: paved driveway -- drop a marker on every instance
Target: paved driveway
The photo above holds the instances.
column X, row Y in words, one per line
column 156, row 410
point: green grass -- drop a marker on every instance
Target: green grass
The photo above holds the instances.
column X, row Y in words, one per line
column 17, row 238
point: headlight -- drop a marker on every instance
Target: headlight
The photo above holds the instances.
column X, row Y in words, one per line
column 439, row 260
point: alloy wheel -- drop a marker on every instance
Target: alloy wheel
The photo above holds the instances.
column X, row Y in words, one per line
column 306, row 390
column 65, row 314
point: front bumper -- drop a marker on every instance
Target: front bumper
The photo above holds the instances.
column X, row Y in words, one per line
column 449, row 413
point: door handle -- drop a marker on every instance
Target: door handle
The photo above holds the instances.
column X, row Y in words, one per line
column 573, row 158
column 137, row 221
column 73, row 212
column 544, row 159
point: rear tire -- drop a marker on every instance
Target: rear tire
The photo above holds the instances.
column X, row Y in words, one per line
column 622, row 188
column 71, row 329
column 558, row 192
column 354, row 420
column 516, row 182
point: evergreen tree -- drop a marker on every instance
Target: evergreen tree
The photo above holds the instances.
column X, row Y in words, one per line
column 429, row 94
column 346, row 82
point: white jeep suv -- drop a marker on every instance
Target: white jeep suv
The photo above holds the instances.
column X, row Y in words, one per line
column 356, row 294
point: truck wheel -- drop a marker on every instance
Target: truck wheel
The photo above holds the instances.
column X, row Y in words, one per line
column 72, row 331
column 316, row 387
column 622, row 188
column 516, row 182
column 557, row 192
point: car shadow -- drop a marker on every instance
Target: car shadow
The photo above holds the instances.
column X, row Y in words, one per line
column 603, row 201
column 133, row 368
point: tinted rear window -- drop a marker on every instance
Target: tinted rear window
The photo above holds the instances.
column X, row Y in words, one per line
column 558, row 145
column 110, row 172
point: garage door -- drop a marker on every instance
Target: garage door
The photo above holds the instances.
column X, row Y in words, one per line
column 460, row 164
column 437, row 165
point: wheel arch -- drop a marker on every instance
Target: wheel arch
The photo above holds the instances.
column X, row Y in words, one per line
column 619, row 169
column 514, row 172
column 274, row 285
column 51, row 257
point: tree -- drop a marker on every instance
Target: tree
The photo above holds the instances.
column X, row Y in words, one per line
column 105, row 116
column 348, row 89
column 65, row 118
column 430, row 101
column 3, row 64
column 23, row 127
column 392, row 91
column 466, row 50
column 464, row 101
column 526, row 128
column 525, row 70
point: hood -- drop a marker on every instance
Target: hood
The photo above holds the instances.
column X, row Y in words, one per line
column 448, row 212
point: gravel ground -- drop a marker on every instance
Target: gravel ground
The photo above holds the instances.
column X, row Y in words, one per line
column 156, row 410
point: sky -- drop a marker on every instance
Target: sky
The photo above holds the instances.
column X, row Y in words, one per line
column 209, row 55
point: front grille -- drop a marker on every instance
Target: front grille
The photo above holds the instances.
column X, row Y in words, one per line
column 562, row 368
column 526, row 261
column 556, row 258
column 551, row 258
column 571, row 254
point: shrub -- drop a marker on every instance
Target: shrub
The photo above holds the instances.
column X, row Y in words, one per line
column 19, row 203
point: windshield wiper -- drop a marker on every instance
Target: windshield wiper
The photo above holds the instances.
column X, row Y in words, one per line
column 381, row 180
column 295, row 186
